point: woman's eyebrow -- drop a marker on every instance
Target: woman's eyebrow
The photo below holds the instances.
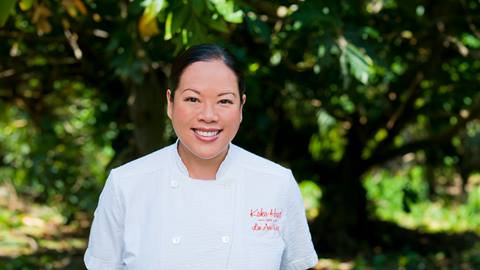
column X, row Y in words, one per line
column 227, row 93
column 198, row 92
column 193, row 90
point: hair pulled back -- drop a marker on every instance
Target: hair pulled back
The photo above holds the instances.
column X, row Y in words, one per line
column 205, row 53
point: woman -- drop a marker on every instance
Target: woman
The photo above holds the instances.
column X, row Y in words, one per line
column 201, row 203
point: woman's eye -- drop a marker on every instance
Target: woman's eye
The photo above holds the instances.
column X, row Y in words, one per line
column 191, row 99
column 226, row 101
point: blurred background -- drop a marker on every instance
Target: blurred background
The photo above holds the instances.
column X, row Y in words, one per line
column 373, row 104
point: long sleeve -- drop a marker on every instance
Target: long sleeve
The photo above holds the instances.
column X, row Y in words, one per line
column 105, row 245
column 299, row 252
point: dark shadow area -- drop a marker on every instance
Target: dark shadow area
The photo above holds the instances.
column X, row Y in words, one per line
column 386, row 245
column 392, row 237
column 45, row 259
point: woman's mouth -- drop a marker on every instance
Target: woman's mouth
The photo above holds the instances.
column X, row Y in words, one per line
column 206, row 134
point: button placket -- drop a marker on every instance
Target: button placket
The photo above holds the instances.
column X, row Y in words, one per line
column 176, row 239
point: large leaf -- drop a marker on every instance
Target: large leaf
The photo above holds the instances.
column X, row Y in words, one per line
column 147, row 25
column 361, row 65
column 227, row 10
column 152, row 8
column 6, row 7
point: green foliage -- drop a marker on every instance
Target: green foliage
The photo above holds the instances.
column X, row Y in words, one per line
column 409, row 260
column 405, row 260
column 352, row 84
column 330, row 142
column 54, row 156
column 311, row 194
column 360, row 64
column 402, row 197
column 473, row 206
column 6, row 7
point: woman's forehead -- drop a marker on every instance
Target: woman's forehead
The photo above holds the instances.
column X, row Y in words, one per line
column 213, row 75
column 208, row 69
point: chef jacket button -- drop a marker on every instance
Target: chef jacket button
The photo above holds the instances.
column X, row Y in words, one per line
column 176, row 240
column 173, row 184
column 225, row 239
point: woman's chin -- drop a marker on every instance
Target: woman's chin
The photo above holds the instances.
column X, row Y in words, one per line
column 209, row 155
column 205, row 151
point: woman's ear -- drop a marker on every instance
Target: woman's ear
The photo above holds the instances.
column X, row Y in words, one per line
column 244, row 99
column 169, row 104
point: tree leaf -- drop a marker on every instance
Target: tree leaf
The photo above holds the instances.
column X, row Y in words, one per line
column 179, row 19
column 218, row 25
column 25, row 4
column 152, row 8
column 147, row 24
column 6, row 7
column 198, row 6
column 226, row 9
column 359, row 62
column 147, row 27
column 168, row 27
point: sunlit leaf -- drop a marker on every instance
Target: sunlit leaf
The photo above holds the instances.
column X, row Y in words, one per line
column 168, row 27
column 147, row 27
column 360, row 63
column 25, row 4
column 226, row 9
column 471, row 41
column 152, row 8
column 147, row 24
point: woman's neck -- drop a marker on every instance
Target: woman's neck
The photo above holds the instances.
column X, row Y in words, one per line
column 198, row 168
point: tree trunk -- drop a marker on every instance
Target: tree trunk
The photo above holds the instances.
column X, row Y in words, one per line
column 147, row 108
column 343, row 215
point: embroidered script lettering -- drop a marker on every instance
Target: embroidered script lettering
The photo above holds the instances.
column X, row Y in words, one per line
column 265, row 219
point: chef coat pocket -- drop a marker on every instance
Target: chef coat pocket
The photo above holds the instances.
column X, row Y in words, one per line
column 264, row 252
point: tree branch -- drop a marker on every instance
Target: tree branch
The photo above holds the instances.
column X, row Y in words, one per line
column 379, row 157
column 398, row 119
column 265, row 7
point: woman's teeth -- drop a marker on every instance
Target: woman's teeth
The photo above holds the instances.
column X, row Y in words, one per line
column 206, row 133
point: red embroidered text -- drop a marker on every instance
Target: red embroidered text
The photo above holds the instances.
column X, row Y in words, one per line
column 265, row 219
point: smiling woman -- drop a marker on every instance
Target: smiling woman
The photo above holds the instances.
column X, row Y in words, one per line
column 201, row 203
column 206, row 111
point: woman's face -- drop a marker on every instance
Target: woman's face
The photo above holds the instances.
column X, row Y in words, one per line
column 207, row 110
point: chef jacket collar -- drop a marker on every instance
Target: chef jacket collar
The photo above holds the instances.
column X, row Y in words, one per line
column 224, row 168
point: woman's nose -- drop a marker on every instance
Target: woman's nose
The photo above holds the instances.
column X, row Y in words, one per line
column 208, row 113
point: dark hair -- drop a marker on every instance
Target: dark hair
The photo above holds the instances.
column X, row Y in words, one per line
column 204, row 52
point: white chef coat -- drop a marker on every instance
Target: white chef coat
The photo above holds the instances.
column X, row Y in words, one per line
column 152, row 215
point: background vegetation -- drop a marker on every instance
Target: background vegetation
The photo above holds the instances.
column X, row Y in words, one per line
column 373, row 104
